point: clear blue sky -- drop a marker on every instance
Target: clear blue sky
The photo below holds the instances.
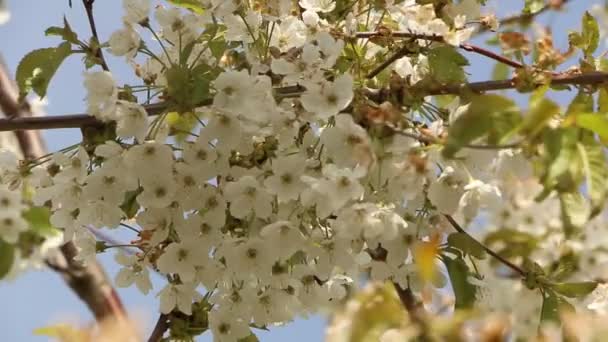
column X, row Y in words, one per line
column 40, row 298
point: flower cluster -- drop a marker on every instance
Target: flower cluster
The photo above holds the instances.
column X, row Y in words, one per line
column 269, row 184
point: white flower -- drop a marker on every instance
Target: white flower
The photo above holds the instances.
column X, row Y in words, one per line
column 243, row 29
column 347, row 143
column 285, row 181
column 227, row 327
column 10, row 200
column 178, row 296
column 136, row 11
column 246, row 196
column 249, row 259
column 598, row 300
column 284, row 237
column 133, row 271
column 289, row 34
column 150, row 160
column 158, row 192
column 329, row 98
column 124, row 42
column 182, row 258
column 478, row 195
column 86, row 245
column 11, row 225
column 131, row 120
column 102, row 94
column 324, row 6
column 446, row 191
column 100, row 214
column 156, row 221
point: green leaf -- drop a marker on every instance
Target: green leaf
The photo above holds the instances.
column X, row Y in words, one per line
column 251, row 338
column 590, row 34
column 192, row 5
column 490, row 114
column 575, row 210
column 467, row 244
column 597, row 123
column 39, row 220
column 7, row 257
column 500, row 72
column 64, row 32
column 130, row 206
column 459, row 274
column 533, row 6
column 550, row 307
column 541, row 111
column 560, row 150
column 602, row 100
column 446, row 64
column 594, row 163
column 38, row 67
column 516, row 243
column 575, row 290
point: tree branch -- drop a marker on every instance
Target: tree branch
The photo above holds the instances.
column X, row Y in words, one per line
column 415, row 310
column 88, row 6
column 495, row 255
column 524, row 17
column 162, row 324
column 437, row 38
column 89, row 282
column 17, row 123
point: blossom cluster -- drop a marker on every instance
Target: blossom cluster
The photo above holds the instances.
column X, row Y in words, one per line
column 272, row 204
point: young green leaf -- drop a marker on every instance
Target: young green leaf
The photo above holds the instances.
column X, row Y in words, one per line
column 459, row 274
column 39, row 220
column 7, row 257
column 486, row 114
column 446, row 64
column 64, row 32
column 594, row 166
column 575, row 290
column 591, row 34
column 466, row 244
column 193, row 5
column 597, row 123
column 575, row 210
column 38, row 67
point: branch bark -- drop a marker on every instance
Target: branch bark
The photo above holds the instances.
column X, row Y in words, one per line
column 162, row 324
column 88, row 6
column 89, row 282
column 18, row 123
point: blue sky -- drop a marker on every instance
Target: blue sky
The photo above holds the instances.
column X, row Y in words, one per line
column 40, row 298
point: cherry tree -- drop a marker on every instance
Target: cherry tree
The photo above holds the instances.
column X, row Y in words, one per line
column 278, row 159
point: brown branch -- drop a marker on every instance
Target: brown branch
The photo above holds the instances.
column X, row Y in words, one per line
column 17, row 123
column 162, row 324
column 89, row 282
column 437, row 38
column 495, row 255
column 415, row 310
column 524, row 17
column 400, row 53
column 88, row 6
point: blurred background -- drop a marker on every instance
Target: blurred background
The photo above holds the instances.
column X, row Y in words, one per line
column 40, row 298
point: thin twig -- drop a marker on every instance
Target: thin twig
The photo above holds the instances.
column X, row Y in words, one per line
column 495, row 255
column 162, row 324
column 88, row 6
column 400, row 53
column 521, row 18
column 437, row 38
column 415, row 310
